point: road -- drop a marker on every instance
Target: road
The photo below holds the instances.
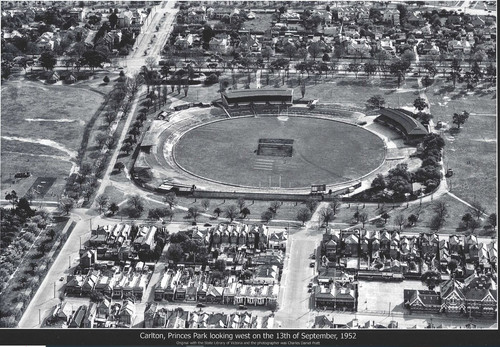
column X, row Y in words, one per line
column 295, row 301
column 150, row 40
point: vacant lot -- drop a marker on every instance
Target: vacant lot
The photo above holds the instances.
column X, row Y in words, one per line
column 323, row 152
column 392, row 298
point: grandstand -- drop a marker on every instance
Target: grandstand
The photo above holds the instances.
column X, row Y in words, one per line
column 272, row 96
column 403, row 122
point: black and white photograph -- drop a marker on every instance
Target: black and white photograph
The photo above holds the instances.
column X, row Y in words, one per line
column 220, row 170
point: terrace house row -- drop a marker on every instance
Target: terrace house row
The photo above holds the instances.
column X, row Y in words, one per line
column 178, row 286
column 95, row 315
column 160, row 317
column 118, row 242
column 113, row 283
column 410, row 255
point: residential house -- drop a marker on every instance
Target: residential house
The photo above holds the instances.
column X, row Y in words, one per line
column 452, row 297
column 336, row 296
column 76, row 320
column 391, row 15
column 215, row 294
column 351, row 245
column 422, row 300
column 268, row 274
column 127, row 312
column 323, row 322
column 278, row 240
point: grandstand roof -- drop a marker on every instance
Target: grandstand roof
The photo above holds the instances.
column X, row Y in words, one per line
column 245, row 93
column 410, row 125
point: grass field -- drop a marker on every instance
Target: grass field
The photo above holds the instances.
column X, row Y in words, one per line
column 323, row 152
column 42, row 129
column 57, row 113
column 471, row 153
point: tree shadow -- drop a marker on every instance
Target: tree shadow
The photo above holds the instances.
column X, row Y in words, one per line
column 444, row 90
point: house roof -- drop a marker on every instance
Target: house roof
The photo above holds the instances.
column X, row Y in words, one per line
column 450, row 286
column 322, row 322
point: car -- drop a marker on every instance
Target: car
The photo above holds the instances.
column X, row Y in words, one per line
column 313, row 256
column 310, row 285
column 311, row 264
column 242, row 307
column 309, row 290
column 201, row 305
column 61, row 279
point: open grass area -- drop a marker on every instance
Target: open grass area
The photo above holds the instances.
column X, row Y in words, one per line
column 57, row 113
column 353, row 92
column 471, row 153
column 324, row 151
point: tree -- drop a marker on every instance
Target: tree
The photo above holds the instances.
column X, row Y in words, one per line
column 113, row 207
column 399, row 68
column 467, row 218
column 266, row 216
column 12, row 197
column 477, row 209
column 378, row 182
column 48, row 60
column 193, row 212
column 106, row 79
column 430, row 279
column 274, row 207
column 370, row 68
column 474, row 224
column 205, row 203
column 127, row 147
column 51, row 234
column 102, row 201
column 175, row 252
column 441, row 209
column 400, row 220
column 101, row 139
column 290, row 50
column 245, row 211
column 420, row 104
column 375, row 102
column 241, row 203
column 354, row 67
column 427, row 82
column 303, row 215
column 363, row 218
column 412, row 219
column 119, row 166
column 460, row 118
column 326, row 215
column 436, row 223
column 66, row 205
column 314, row 50
column 110, row 117
column 136, row 202
column 335, row 205
column 170, row 199
column 385, row 216
column 311, row 204
column 455, row 71
column 231, row 212
column 217, row 211
column 303, row 89
column 150, row 62
column 93, row 58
